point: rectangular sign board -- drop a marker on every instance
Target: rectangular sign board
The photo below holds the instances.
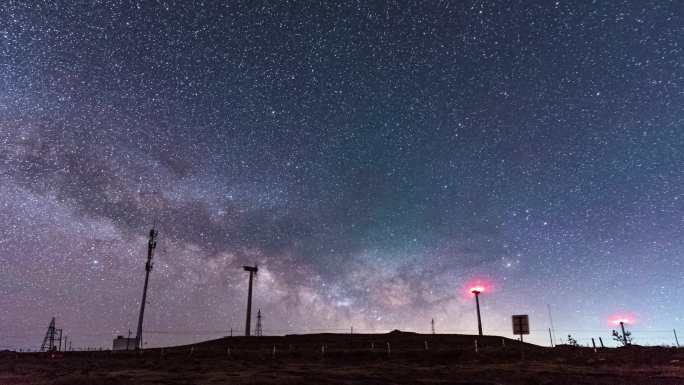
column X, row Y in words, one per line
column 521, row 324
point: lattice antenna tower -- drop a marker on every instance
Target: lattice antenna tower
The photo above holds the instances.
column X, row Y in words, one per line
column 151, row 245
column 48, row 344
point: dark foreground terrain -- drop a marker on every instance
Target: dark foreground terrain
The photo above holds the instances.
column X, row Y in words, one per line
column 357, row 359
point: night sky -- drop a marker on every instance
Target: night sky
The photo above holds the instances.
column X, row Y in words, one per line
column 373, row 160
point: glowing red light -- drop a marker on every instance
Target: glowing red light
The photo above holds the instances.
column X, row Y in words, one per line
column 625, row 319
column 480, row 284
column 477, row 289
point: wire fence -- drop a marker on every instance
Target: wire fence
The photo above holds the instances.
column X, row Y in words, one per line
column 167, row 337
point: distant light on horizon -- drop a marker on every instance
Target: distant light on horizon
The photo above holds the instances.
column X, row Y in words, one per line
column 625, row 319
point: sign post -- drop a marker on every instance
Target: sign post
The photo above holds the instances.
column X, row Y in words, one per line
column 521, row 325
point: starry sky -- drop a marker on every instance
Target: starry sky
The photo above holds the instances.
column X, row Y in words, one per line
column 374, row 159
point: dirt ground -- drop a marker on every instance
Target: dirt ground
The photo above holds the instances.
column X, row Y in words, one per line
column 363, row 359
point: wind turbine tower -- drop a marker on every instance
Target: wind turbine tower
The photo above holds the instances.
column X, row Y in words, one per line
column 151, row 245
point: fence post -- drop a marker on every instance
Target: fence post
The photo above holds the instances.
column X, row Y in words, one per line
column 676, row 339
column 593, row 343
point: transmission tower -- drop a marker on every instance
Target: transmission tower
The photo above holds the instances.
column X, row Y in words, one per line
column 151, row 245
column 259, row 329
column 49, row 340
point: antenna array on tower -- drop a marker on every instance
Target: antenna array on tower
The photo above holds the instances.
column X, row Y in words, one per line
column 51, row 335
column 259, row 328
column 151, row 245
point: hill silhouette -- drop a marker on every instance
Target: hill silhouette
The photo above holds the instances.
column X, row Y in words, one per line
column 394, row 358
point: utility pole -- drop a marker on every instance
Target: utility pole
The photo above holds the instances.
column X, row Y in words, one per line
column 676, row 339
column 151, row 245
column 59, row 349
column 252, row 272
column 552, row 329
column 432, row 325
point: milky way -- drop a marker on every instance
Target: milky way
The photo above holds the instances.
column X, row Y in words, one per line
column 373, row 160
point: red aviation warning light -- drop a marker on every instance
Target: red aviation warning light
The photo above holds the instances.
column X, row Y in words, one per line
column 481, row 284
column 627, row 319
column 477, row 289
